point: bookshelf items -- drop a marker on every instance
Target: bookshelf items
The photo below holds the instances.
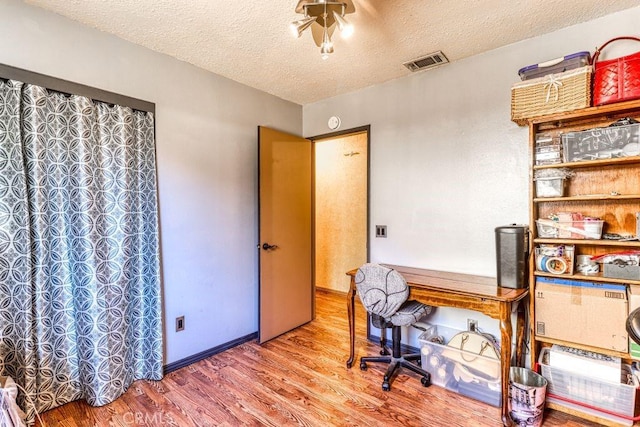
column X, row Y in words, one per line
column 585, row 198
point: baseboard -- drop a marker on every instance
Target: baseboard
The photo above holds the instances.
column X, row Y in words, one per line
column 331, row 291
column 174, row 366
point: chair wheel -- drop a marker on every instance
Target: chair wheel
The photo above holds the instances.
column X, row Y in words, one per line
column 363, row 366
column 426, row 382
column 386, row 386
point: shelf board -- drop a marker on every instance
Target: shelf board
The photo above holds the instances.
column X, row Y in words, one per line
column 591, row 278
column 592, row 163
column 575, row 410
column 590, row 198
column 589, row 242
column 548, row 340
column 589, row 113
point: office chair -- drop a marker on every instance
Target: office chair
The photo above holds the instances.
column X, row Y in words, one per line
column 384, row 292
column 633, row 325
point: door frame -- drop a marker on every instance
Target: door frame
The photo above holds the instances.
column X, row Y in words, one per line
column 313, row 139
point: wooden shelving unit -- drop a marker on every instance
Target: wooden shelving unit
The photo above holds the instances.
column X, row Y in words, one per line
column 618, row 243
column 588, row 197
column 606, row 188
column 591, row 278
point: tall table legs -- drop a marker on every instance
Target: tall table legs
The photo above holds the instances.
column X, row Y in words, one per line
column 352, row 321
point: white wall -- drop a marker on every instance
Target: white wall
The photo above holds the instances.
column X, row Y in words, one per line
column 447, row 164
column 206, row 131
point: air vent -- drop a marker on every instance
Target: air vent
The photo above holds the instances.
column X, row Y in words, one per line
column 428, row 61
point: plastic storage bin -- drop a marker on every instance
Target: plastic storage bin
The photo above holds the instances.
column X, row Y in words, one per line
column 558, row 65
column 589, row 229
column 550, row 187
column 555, row 259
column 618, row 398
column 601, row 143
column 622, row 267
column 551, row 399
column 469, row 374
column 548, row 149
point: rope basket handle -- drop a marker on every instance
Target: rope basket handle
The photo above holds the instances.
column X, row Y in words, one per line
column 483, row 347
column 599, row 49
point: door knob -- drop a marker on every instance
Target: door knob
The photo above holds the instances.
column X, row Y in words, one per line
column 267, row 246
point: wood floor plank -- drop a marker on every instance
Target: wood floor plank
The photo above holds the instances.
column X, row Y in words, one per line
column 302, row 396
column 299, row 378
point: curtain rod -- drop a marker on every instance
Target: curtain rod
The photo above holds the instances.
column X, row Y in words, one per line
column 65, row 86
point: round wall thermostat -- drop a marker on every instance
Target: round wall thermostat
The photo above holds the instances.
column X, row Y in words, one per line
column 334, row 122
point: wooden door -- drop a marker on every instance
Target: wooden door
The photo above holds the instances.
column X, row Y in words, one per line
column 286, row 285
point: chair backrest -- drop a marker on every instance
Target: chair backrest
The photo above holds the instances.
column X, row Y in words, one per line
column 633, row 325
column 382, row 290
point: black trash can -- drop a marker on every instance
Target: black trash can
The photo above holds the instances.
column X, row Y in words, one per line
column 512, row 255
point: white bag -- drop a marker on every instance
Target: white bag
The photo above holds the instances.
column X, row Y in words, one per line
column 10, row 414
column 474, row 352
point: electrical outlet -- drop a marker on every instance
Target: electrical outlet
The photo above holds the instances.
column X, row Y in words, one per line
column 179, row 323
column 472, row 325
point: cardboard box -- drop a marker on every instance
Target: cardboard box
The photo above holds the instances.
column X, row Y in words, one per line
column 586, row 313
column 634, row 302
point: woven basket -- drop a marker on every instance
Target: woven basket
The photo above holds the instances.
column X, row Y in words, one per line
column 551, row 94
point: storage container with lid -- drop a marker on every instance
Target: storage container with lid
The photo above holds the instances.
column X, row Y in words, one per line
column 558, row 65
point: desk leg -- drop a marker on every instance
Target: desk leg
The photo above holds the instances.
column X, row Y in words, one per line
column 352, row 320
column 520, row 333
column 505, row 355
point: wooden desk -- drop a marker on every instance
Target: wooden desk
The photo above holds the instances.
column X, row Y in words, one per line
column 478, row 293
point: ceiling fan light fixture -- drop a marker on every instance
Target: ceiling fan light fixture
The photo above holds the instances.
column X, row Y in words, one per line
column 298, row 27
column 326, row 48
column 327, row 45
column 327, row 14
column 345, row 27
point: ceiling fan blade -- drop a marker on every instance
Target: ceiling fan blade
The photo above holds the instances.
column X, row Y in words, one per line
column 300, row 6
column 317, row 31
column 349, row 7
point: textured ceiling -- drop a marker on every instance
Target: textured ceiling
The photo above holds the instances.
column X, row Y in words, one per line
column 250, row 42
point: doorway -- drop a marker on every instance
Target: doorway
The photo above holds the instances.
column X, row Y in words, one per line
column 313, row 221
column 341, row 206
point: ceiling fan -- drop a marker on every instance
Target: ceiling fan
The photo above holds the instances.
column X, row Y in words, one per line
column 323, row 17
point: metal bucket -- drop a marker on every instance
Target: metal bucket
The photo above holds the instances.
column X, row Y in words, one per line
column 527, row 391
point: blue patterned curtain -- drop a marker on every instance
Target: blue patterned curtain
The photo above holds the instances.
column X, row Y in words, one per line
column 80, row 309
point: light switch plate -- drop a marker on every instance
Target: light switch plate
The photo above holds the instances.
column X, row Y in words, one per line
column 381, row 231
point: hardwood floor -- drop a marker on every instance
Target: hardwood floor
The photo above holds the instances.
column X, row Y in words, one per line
column 299, row 378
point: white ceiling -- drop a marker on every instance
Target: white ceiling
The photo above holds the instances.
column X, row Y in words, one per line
column 250, row 42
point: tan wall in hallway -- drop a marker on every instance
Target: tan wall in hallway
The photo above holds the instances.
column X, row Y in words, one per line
column 341, row 209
